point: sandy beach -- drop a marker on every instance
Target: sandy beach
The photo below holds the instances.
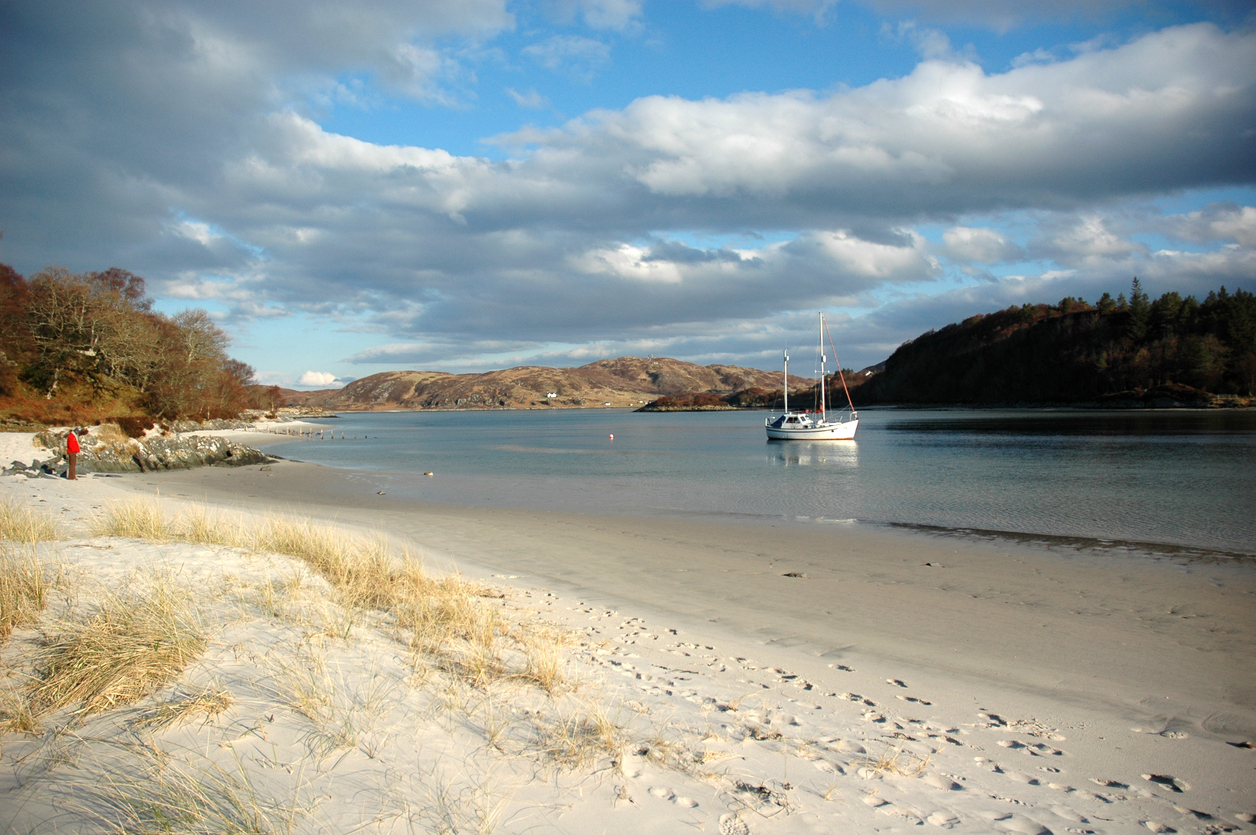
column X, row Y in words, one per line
column 786, row 677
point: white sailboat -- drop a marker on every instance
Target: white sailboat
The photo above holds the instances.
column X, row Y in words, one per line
column 814, row 426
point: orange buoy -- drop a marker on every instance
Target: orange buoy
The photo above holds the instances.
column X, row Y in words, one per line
column 612, row 437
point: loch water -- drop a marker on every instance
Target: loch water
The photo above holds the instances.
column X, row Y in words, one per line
column 1169, row 479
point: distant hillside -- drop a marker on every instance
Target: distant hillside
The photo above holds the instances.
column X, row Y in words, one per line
column 1170, row 350
column 626, row 381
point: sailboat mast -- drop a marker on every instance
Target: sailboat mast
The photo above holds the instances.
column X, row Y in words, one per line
column 786, row 387
column 824, row 414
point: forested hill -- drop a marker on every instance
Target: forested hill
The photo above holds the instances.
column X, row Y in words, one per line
column 82, row 347
column 1172, row 348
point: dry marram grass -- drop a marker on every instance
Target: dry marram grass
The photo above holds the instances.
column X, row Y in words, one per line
column 444, row 617
column 130, row 646
column 21, row 523
column 206, row 704
column 177, row 797
column 24, row 587
column 131, row 520
column 895, row 760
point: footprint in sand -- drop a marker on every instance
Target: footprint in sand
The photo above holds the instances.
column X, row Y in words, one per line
column 1109, row 784
column 942, row 820
column 664, row 793
column 1021, row 825
column 941, row 782
column 1068, row 814
column 828, row 767
column 1168, row 782
column 914, row 699
column 731, row 824
column 896, row 682
column 1021, row 778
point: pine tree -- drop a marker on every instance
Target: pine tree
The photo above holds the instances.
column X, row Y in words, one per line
column 1140, row 311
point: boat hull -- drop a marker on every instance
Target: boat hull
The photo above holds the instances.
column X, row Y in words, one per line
column 844, row 431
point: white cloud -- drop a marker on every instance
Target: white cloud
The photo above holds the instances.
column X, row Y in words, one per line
column 217, row 187
column 1219, row 222
column 320, row 379
column 531, row 100
column 982, row 246
column 1084, row 241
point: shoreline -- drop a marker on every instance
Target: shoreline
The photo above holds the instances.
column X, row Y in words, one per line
column 918, row 598
column 1042, row 688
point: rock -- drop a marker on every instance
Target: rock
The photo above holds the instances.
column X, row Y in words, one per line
column 168, row 453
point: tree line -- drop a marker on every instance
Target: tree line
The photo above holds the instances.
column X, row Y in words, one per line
column 1075, row 351
column 76, row 346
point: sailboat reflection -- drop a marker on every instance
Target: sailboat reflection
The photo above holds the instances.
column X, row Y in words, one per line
column 840, row 456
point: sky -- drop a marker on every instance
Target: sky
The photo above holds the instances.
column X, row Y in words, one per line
column 465, row 185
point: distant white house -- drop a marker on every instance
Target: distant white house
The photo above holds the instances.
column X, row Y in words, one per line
column 551, row 394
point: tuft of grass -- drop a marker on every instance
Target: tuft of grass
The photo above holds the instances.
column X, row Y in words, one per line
column 176, row 797
column 341, row 714
column 24, row 587
column 443, row 616
column 544, row 660
column 894, row 760
column 21, row 523
column 207, row 704
column 17, row 713
column 128, row 648
column 132, row 519
column 451, row 805
column 196, row 525
column 581, row 737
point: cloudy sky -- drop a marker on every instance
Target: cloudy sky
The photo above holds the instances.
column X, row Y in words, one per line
column 471, row 184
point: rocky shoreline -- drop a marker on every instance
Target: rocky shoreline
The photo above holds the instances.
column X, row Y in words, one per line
column 172, row 452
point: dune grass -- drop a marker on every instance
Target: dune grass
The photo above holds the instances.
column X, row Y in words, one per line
column 179, row 797
column 24, row 589
column 22, row 523
column 444, row 618
column 581, row 737
column 131, row 645
column 206, row 704
column 894, row 759
column 131, row 520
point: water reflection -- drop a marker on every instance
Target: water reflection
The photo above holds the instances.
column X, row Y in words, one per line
column 840, row 455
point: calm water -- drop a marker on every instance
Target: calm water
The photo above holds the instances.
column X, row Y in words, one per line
column 1179, row 478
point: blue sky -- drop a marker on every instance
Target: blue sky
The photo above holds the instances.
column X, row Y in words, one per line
column 469, row 185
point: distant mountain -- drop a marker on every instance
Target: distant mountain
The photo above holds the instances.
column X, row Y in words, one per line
column 1135, row 351
column 626, row 381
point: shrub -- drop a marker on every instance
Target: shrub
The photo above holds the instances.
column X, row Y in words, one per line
column 134, row 427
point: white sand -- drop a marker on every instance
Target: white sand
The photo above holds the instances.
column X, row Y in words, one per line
column 19, row 446
column 1021, row 689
